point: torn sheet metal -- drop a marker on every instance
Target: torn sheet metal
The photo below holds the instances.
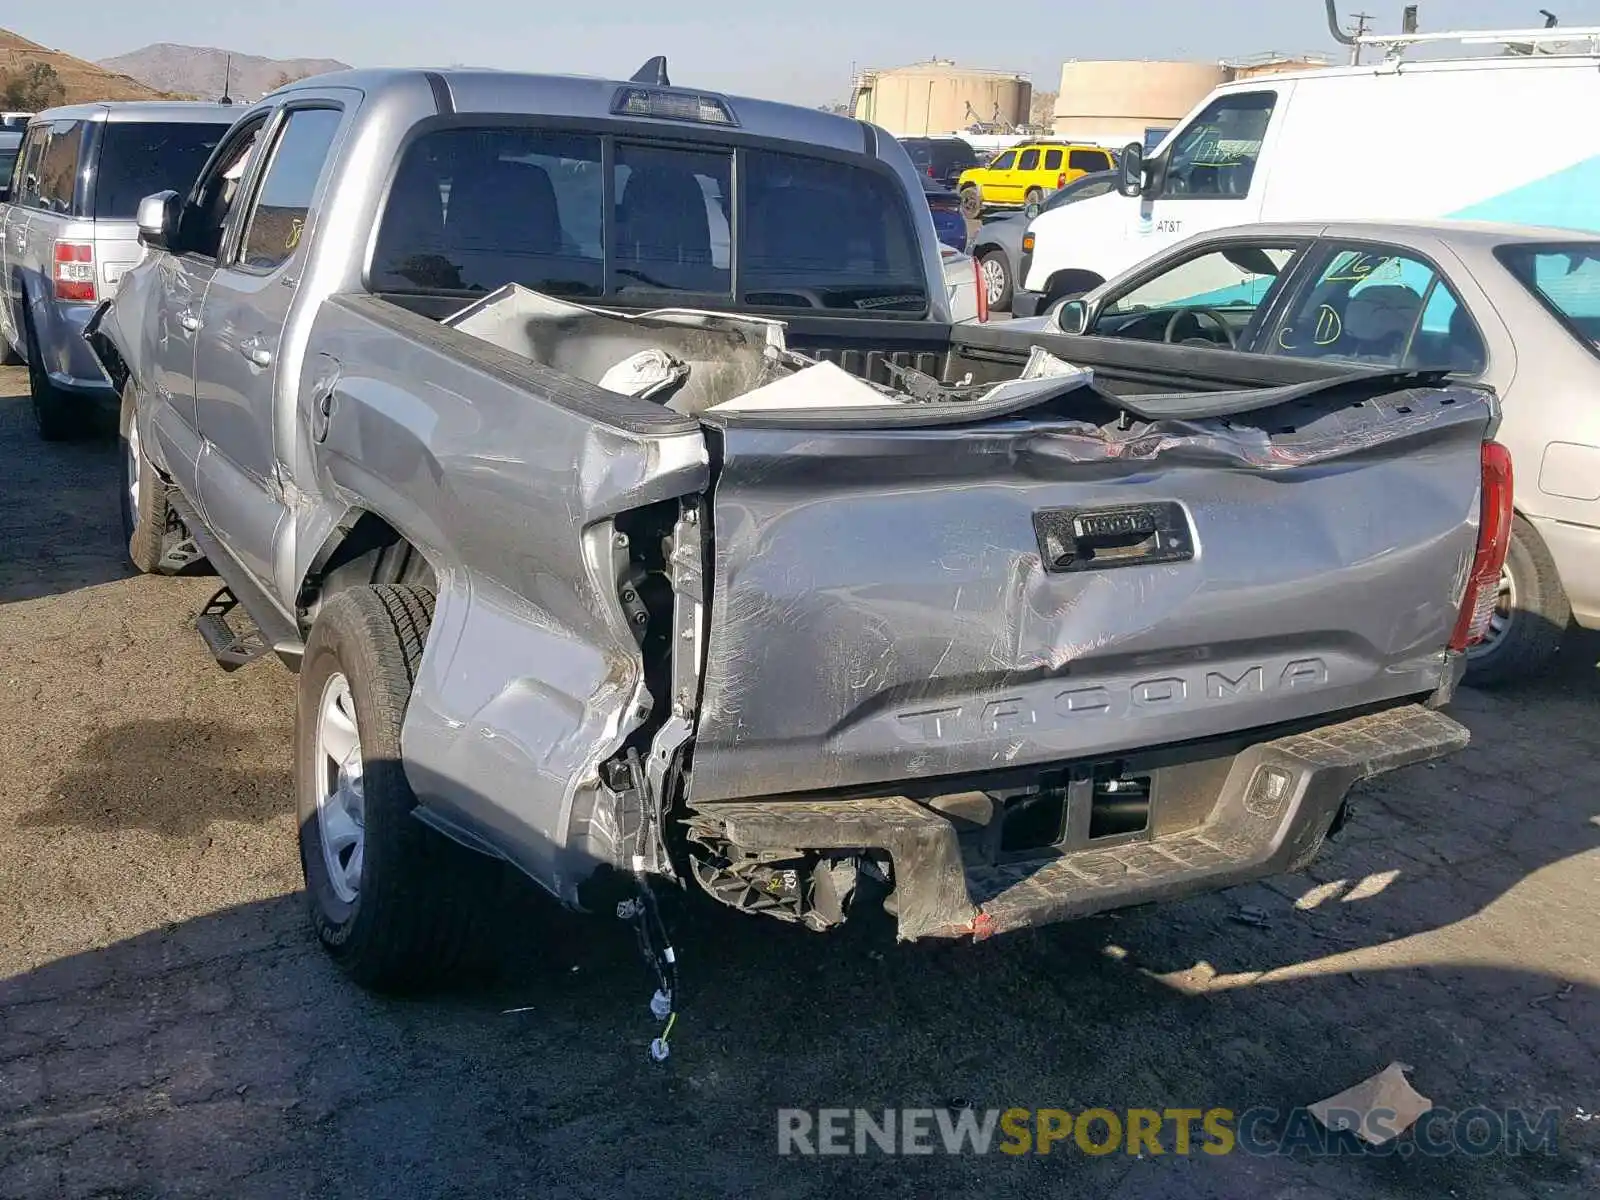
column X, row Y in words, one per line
column 822, row 385
column 1376, row 1110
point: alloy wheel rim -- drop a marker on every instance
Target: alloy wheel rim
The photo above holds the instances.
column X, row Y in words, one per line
column 341, row 803
column 994, row 280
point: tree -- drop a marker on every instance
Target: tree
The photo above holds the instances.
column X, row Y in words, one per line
column 38, row 87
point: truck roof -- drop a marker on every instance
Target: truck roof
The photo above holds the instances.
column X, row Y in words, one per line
column 479, row 90
column 1418, row 66
column 143, row 110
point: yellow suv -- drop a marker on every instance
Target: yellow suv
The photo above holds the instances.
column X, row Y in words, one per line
column 1024, row 173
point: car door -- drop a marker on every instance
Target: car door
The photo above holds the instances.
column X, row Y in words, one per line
column 184, row 276
column 24, row 194
column 238, row 368
column 1025, row 176
column 1216, row 294
column 1212, row 175
column 998, row 176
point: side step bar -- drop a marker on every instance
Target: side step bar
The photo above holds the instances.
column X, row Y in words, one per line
column 271, row 631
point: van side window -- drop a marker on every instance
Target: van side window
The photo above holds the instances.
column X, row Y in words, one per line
column 1029, row 161
column 26, row 192
column 58, row 167
column 1217, row 154
column 1052, row 160
column 1089, row 161
column 1381, row 306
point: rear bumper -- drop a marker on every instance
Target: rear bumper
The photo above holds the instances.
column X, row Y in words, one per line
column 68, row 358
column 1269, row 816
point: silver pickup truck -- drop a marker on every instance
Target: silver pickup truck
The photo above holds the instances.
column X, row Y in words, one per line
column 602, row 456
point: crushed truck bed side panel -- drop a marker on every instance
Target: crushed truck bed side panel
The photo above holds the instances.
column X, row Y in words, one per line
column 882, row 610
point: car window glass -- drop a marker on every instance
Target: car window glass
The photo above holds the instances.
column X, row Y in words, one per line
column 1216, row 155
column 1052, row 160
column 1194, row 299
column 672, row 224
column 1003, row 162
column 277, row 218
column 27, row 173
column 58, row 167
column 1088, row 160
column 1383, row 307
column 140, row 158
column 211, row 201
column 1029, row 161
column 471, row 210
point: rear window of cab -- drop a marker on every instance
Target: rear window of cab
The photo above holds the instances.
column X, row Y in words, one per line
column 471, row 209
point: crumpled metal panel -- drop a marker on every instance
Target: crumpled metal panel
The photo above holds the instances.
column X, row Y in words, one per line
column 881, row 612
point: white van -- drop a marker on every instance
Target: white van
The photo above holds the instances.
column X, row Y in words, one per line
column 1506, row 138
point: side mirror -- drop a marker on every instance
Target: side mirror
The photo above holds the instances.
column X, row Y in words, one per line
column 1073, row 317
column 157, row 217
column 1032, row 209
column 1131, row 180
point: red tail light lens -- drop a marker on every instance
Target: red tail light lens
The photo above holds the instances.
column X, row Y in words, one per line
column 1494, row 537
column 1061, row 180
column 75, row 271
column 983, row 292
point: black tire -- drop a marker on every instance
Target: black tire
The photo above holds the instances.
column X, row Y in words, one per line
column 421, row 898
column 1539, row 616
column 56, row 415
column 8, row 356
column 998, row 260
column 144, row 528
column 971, row 202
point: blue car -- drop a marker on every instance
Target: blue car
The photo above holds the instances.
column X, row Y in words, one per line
column 945, row 205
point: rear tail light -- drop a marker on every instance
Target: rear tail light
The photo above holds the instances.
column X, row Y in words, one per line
column 983, row 292
column 1061, row 180
column 75, row 271
column 1494, row 536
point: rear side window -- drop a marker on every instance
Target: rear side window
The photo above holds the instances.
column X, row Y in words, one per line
column 58, row 167
column 1052, row 160
column 1089, row 160
column 8, row 158
column 138, row 159
column 283, row 203
column 473, row 209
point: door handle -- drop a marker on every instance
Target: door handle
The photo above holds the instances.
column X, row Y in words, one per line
column 189, row 321
column 256, row 352
column 1093, row 539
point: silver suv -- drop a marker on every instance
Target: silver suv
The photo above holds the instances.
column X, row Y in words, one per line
column 67, row 233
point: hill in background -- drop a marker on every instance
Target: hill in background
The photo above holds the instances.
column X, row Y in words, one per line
column 76, row 79
column 198, row 70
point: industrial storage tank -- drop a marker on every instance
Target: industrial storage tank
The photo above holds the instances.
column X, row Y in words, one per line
column 1116, row 102
column 939, row 97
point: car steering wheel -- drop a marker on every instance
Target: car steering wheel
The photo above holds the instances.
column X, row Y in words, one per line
column 1217, row 318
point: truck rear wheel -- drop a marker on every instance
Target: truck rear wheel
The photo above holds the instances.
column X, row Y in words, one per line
column 1531, row 615
column 396, row 904
column 145, row 512
column 55, row 415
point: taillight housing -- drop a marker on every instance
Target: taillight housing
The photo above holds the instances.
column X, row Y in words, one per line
column 74, row 271
column 983, row 292
column 1495, row 514
column 1061, row 180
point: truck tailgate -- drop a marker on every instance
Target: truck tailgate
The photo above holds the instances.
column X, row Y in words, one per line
column 904, row 603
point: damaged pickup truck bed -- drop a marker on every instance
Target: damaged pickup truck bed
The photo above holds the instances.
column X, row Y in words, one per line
column 603, row 458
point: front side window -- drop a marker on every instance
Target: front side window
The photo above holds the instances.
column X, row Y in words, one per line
column 278, row 217
column 216, row 194
column 1380, row 306
column 1209, row 299
column 1217, row 154
column 1003, row 162
column 139, row 158
column 1565, row 278
column 26, row 190
column 1029, row 161
column 58, row 167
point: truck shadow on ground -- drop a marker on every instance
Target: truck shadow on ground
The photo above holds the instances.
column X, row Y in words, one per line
column 173, row 777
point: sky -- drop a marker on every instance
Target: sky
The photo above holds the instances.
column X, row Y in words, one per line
column 800, row 50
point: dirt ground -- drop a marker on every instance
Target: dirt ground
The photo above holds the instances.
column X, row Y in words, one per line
column 169, row 1028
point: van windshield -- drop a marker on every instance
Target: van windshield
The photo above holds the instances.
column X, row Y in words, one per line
column 1565, row 276
column 138, row 159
